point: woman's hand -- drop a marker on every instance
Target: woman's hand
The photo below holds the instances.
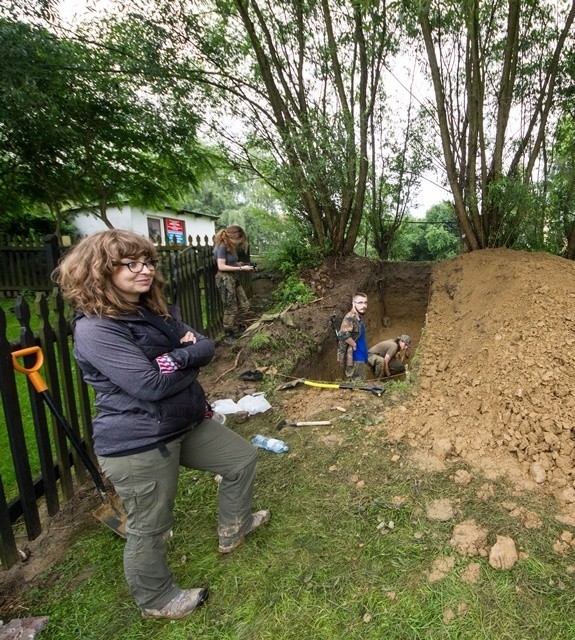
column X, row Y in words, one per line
column 188, row 337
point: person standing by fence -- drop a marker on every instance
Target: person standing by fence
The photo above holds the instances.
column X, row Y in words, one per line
column 143, row 363
column 235, row 302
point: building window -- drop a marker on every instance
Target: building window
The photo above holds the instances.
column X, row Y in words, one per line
column 155, row 230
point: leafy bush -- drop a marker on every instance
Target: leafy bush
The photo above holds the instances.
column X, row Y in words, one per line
column 292, row 290
column 295, row 253
column 33, row 222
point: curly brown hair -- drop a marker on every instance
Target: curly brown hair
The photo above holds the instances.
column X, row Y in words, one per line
column 233, row 237
column 85, row 274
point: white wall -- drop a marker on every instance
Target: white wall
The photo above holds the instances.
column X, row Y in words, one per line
column 134, row 219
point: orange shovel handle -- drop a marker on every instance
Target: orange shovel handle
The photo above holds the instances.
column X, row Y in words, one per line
column 33, row 373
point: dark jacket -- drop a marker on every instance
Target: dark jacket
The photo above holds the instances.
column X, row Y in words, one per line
column 139, row 407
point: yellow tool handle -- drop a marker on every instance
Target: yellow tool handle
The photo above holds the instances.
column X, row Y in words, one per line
column 33, row 373
column 322, row 385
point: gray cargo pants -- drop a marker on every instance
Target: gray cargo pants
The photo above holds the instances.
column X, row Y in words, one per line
column 147, row 483
column 234, row 300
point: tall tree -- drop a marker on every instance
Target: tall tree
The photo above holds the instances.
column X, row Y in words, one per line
column 75, row 129
column 395, row 174
column 494, row 68
column 302, row 78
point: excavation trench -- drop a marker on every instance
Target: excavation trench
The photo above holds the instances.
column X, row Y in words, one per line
column 398, row 294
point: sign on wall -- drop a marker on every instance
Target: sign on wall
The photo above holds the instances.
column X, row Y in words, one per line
column 175, row 231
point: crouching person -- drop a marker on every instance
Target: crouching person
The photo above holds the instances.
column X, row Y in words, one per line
column 384, row 357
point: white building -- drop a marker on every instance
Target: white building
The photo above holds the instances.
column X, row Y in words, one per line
column 169, row 226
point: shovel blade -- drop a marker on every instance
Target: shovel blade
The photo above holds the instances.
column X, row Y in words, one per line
column 290, row 385
column 112, row 514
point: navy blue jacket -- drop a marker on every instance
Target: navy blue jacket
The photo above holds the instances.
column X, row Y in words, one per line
column 138, row 406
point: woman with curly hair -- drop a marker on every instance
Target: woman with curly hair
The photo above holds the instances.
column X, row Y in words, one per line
column 143, row 363
column 234, row 300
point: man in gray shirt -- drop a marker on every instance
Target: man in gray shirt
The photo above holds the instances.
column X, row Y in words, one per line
column 383, row 356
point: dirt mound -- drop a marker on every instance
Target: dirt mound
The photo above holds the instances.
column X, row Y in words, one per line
column 495, row 371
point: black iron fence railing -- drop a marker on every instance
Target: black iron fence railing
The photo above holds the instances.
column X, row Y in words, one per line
column 38, row 465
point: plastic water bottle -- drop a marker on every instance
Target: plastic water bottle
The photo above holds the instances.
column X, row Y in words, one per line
column 269, row 444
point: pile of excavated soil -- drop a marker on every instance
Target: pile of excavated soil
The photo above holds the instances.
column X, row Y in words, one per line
column 496, row 370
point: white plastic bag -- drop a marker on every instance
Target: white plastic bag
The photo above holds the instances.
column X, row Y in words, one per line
column 254, row 404
column 226, row 406
column 250, row 404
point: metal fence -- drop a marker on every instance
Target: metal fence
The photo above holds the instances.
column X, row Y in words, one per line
column 26, row 264
column 190, row 276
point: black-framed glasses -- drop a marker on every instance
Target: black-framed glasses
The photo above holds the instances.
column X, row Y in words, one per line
column 135, row 266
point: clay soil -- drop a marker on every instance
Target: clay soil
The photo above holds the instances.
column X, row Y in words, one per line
column 491, row 373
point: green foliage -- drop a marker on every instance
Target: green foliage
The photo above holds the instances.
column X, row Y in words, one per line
column 79, row 125
column 243, row 200
column 33, row 221
column 295, row 252
column 291, row 290
column 511, row 200
column 557, row 199
column 395, row 183
column 262, row 341
column 436, row 237
column 491, row 158
column 304, row 85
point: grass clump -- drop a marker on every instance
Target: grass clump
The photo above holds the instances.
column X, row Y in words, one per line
column 262, row 341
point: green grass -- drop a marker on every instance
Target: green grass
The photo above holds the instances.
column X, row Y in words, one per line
column 6, row 465
column 13, row 326
column 7, row 470
column 321, row 569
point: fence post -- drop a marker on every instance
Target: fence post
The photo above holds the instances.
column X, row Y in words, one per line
column 52, row 252
column 8, row 548
column 16, row 438
column 27, row 339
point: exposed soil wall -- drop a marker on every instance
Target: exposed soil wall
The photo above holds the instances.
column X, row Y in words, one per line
column 398, row 294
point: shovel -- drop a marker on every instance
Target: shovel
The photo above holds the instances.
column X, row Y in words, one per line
column 385, row 321
column 335, row 326
column 110, row 512
column 331, row 385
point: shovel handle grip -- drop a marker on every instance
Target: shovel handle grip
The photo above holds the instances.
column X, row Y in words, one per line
column 33, row 372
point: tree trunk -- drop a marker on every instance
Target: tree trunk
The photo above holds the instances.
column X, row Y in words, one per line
column 468, row 234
